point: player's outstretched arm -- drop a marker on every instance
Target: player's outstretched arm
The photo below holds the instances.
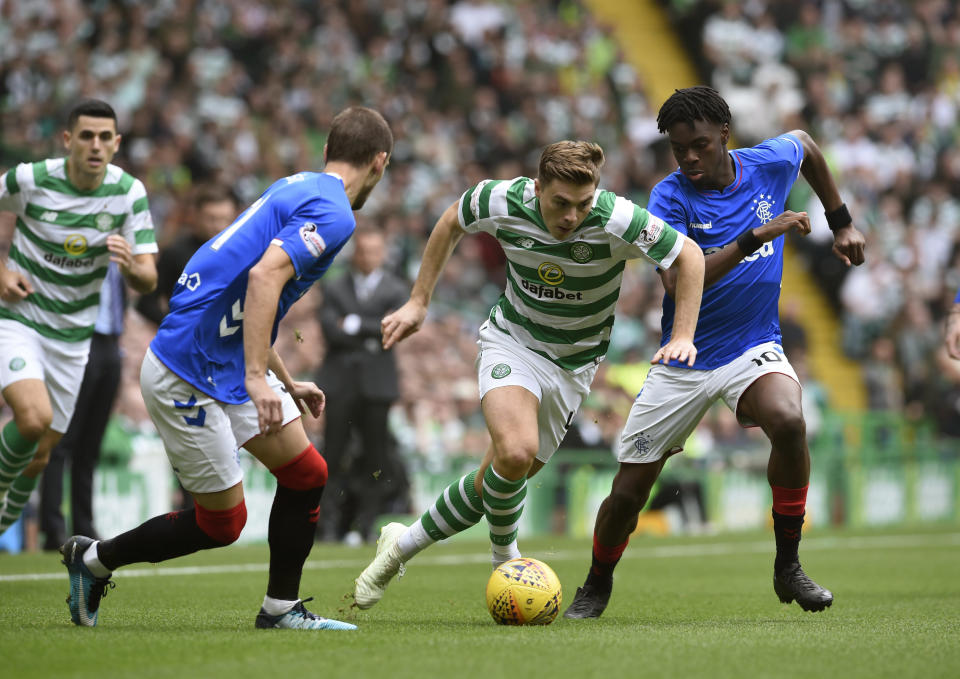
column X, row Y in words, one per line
column 848, row 242
column 689, row 289
column 953, row 332
column 407, row 319
column 265, row 283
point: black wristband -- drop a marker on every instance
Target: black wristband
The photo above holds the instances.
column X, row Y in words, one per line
column 748, row 242
column 839, row 218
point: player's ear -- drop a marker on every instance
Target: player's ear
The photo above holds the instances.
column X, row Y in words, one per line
column 725, row 133
column 324, row 154
column 66, row 139
column 380, row 163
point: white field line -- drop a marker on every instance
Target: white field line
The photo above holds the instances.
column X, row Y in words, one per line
column 639, row 552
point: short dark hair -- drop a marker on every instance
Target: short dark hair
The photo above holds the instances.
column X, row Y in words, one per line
column 692, row 104
column 576, row 162
column 213, row 193
column 94, row 108
column 357, row 135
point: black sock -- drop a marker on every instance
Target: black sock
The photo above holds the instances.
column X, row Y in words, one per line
column 158, row 539
column 293, row 524
column 786, row 530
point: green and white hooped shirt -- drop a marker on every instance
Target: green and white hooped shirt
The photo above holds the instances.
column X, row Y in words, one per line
column 60, row 242
column 561, row 295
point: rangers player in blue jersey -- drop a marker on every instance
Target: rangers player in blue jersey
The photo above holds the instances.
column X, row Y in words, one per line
column 213, row 383
column 730, row 203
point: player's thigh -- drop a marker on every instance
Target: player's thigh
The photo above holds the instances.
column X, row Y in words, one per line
column 510, row 390
column 276, row 449
column 64, row 367
column 670, row 405
column 510, row 412
column 22, row 376
column 751, row 397
column 281, row 448
column 562, row 397
column 196, row 432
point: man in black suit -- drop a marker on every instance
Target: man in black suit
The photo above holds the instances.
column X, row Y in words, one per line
column 214, row 208
column 360, row 381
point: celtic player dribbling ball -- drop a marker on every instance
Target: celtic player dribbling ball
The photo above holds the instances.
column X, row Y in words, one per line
column 524, row 591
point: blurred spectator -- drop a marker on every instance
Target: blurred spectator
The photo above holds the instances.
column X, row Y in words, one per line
column 359, row 379
column 214, row 208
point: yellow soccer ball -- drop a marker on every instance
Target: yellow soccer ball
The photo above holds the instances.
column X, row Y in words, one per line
column 524, row 591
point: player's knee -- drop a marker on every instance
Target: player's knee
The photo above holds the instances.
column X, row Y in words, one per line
column 33, row 423
column 516, row 456
column 784, row 423
column 222, row 525
column 625, row 502
column 305, row 472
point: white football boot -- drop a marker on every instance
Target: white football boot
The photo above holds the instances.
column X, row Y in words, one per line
column 373, row 581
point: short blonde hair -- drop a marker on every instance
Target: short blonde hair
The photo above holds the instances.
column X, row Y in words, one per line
column 575, row 162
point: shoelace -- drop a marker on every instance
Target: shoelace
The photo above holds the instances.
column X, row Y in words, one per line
column 801, row 580
column 301, row 609
column 100, row 588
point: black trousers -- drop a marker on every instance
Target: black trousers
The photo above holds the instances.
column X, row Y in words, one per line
column 80, row 445
column 360, row 479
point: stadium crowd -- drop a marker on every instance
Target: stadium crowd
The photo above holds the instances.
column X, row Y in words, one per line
column 233, row 92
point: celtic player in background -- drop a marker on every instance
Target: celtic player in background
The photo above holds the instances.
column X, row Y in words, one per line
column 566, row 244
column 731, row 204
column 74, row 216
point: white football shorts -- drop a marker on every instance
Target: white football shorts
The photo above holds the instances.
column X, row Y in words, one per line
column 202, row 436
column 25, row 354
column 503, row 361
column 674, row 400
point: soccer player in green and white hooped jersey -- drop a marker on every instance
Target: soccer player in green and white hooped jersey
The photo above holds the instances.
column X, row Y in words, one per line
column 566, row 243
column 74, row 216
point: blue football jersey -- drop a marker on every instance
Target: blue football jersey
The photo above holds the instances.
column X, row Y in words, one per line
column 201, row 339
column 740, row 310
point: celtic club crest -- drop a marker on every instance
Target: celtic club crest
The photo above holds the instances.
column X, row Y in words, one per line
column 104, row 221
column 500, row 370
column 581, row 252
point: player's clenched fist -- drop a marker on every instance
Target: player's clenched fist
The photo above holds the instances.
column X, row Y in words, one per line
column 402, row 323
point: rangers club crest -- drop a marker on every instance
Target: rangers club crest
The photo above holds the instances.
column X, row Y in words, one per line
column 763, row 207
column 642, row 442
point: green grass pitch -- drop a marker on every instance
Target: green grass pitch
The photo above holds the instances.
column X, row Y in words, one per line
column 681, row 607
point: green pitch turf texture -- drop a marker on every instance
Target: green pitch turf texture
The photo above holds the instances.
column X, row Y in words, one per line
column 682, row 607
